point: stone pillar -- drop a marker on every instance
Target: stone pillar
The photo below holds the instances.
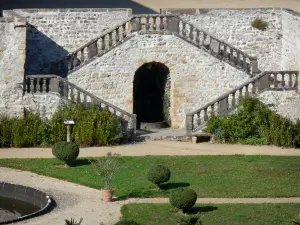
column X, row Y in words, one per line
column 189, row 125
column 173, row 24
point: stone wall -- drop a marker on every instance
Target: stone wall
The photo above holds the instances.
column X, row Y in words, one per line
column 12, row 60
column 234, row 26
column 291, row 40
column 196, row 76
column 53, row 33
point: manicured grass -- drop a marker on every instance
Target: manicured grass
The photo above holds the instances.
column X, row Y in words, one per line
column 209, row 176
column 225, row 214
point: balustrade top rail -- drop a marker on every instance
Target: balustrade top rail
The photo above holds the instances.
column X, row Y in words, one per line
column 226, row 95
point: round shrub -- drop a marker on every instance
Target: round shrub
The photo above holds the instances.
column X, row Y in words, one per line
column 183, row 198
column 65, row 151
column 158, row 174
column 127, row 222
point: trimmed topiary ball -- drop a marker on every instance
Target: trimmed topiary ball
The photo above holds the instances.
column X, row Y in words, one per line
column 127, row 222
column 158, row 174
column 183, row 198
column 66, row 151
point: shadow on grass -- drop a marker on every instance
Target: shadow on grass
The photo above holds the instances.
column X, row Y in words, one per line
column 169, row 186
column 199, row 209
column 81, row 162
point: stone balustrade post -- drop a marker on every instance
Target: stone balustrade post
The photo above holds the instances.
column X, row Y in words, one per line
column 254, row 65
column 189, row 125
column 173, row 24
column 54, row 85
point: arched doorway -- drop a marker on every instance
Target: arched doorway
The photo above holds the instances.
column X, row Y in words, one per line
column 151, row 93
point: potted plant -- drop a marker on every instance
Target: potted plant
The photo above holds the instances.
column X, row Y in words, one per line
column 106, row 167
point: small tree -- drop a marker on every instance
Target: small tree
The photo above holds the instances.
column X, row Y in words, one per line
column 107, row 166
column 158, row 174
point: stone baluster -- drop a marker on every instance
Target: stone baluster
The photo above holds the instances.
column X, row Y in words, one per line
column 254, row 65
column 253, row 87
column 78, row 99
column 110, row 42
column 246, row 89
column 197, row 37
column 233, row 100
column 82, row 56
column 225, row 51
column 275, row 80
column 296, row 81
column 240, row 94
column 231, row 55
column 72, row 94
column 147, row 23
column 161, row 24
column 76, row 60
column 282, row 80
column 191, row 36
column 117, row 35
column 189, row 124
column 212, row 109
column 44, row 87
column 124, row 30
column 85, row 100
column 198, row 120
column 290, row 83
column 204, row 38
column 154, row 23
column 237, row 62
column 66, row 90
column 183, row 29
column 32, row 80
column 103, row 43
column 205, row 115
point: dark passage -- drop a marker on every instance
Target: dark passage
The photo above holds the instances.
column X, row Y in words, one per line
column 150, row 88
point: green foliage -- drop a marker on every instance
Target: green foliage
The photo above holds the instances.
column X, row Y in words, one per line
column 259, row 24
column 93, row 127
column 72, row 222
column 65, row 151
column 188, row 220
column 254, row 123
column 183, row 198
column 158, row 174
column 107, row 167
column 127, row 222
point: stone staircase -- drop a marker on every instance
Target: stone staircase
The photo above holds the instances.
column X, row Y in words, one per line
column 155, row 24
column 47, row 84
column 269, row 80
column 165, row 25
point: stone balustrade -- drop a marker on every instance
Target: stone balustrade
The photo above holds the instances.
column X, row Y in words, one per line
column 51, row 83
column 270, row 80
column 217, row 48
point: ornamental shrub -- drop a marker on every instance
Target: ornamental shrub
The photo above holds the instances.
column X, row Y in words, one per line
column 259, row 24
column 127, row 222
column 66, row 151
column 158, row 174
column 183, row 198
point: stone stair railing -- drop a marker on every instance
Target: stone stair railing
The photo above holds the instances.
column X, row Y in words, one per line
column 217, row 48
column 155, row 24
column 51, row 83
column 270, row 80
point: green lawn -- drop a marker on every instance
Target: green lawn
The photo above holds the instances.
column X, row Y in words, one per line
column 224, row 214
column 209, row 176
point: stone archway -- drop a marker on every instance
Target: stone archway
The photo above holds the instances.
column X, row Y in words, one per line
column 151, row 93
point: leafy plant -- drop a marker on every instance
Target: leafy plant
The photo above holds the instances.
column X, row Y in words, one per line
column 158, row 174
column 72, row 222
column 183, row 198
column 66, row 151
column 259, row 24
column 188, row 220
column 107, row 167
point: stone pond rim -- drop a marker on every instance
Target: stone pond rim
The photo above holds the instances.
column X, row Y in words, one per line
column 26, row 195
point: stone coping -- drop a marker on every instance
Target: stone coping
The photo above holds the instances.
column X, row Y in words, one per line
column 35, row 10
column 25, row 194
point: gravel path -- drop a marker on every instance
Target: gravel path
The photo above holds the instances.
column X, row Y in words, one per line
column 79, row 201
column 157, row 148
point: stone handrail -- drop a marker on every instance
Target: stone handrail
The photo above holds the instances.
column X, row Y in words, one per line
column 73, row 93
column 269, row 80
column 220, row 49
column 110, row 39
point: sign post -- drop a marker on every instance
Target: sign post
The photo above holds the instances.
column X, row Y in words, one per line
column 69, row 123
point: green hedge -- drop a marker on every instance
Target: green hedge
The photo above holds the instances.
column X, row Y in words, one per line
column 254, row 123
column 93, row 127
